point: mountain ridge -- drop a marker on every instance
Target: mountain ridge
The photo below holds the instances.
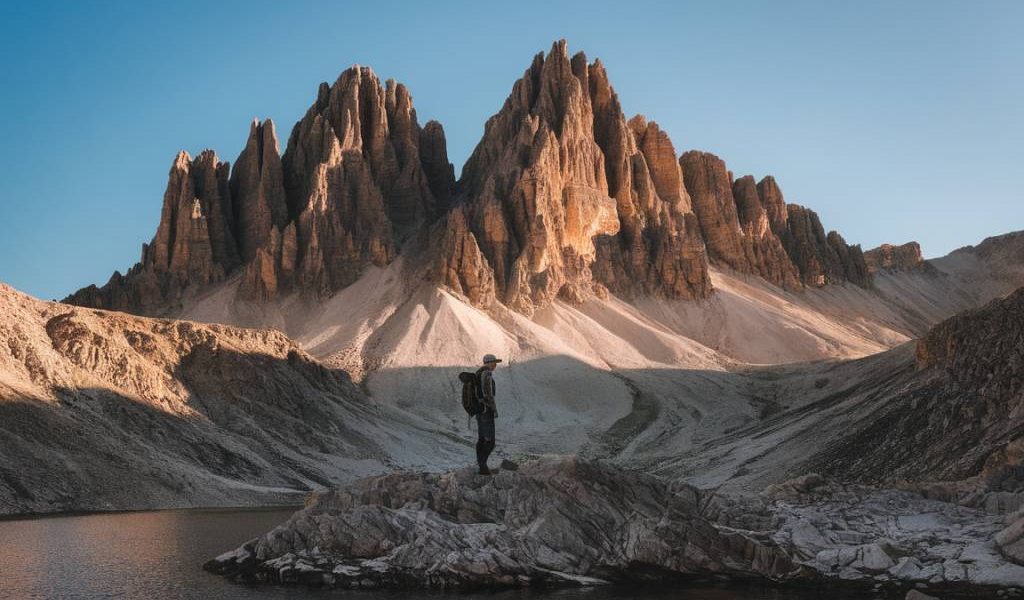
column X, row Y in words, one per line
column 602, row 204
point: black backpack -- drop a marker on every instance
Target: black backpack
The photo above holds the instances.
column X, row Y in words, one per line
column 471, row 393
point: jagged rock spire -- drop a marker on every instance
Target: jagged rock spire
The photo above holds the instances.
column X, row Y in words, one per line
column 359, row 175
column 562, row 198
column 257, row 184
column 822, row 258
column 559, row 192
column 194, row 244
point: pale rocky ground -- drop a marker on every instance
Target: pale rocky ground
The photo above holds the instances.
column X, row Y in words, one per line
column 645, row 366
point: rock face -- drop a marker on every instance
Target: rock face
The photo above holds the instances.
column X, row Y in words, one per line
column 959, row 415
column 559, row 166
column 819, row 258
column 555, row 520
column 822, row 258
column 101, row 410
column 358, row 177
column 194, row 245
column 906, row 257
column 562, row 198
column 659, row 249
column 257, row 181
column 357, row 181
column 749, row 228
column 734, row 222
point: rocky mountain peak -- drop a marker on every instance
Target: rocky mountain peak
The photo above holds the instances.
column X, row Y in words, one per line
column 822, row 258
column 734, row 221
column 562, row 198
column 905, row 257
column 257, row 183
column 357, row 177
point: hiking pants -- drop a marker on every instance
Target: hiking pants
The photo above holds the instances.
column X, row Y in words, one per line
column 485, row 438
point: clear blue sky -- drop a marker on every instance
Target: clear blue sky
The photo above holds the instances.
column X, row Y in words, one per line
column 894, row 120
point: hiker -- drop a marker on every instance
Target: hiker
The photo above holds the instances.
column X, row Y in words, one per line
column 485, row 418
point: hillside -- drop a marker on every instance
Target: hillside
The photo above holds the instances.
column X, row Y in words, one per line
column 102, row 410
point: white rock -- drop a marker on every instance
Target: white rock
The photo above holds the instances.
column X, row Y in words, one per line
column 907, row 569
column 872, row 558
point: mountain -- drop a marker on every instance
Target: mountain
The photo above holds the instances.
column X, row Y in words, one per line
column 622, row 282
column 617, row 278
column 562, row 198
column 299, row 320
column 563, row 201
column 102, row 410
column 359, row 175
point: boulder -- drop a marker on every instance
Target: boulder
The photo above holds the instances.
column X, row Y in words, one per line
column 554, row 520
column 1010, row 541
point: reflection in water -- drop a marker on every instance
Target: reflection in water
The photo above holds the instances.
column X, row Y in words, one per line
column 158, row 555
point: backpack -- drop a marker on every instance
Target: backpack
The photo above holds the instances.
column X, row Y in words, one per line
column 471, row 393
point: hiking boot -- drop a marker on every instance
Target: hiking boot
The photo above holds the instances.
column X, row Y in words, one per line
column 484, row 470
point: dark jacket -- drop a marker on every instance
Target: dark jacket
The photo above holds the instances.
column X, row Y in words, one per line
column 487, row 391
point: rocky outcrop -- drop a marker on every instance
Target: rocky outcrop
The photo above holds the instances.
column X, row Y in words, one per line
column 749, row 228
column 659, row 250
column 562, row 198
column 980, row 348
column 821, row 258
column 906, row 257
column 462, row 266
column 762, row 245
column 194, row 244
column 559, row 166
column 358, row 176
column 729, row 243
column 556, row 520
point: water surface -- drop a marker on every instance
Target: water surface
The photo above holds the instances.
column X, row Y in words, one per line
column 158, row 556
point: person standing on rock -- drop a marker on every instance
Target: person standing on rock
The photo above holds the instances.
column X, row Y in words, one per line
column 485, row 419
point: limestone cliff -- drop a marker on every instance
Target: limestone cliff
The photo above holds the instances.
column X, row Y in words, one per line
column 359, row 175
column 905, row 257
column 559, row 166
column 822, row 258
column 194, row 245
column 562, row 198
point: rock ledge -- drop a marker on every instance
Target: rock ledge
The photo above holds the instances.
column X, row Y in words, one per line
column 557, row 520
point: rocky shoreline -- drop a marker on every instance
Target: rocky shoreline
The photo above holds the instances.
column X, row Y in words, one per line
column 564, row 521
column 557, row 520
